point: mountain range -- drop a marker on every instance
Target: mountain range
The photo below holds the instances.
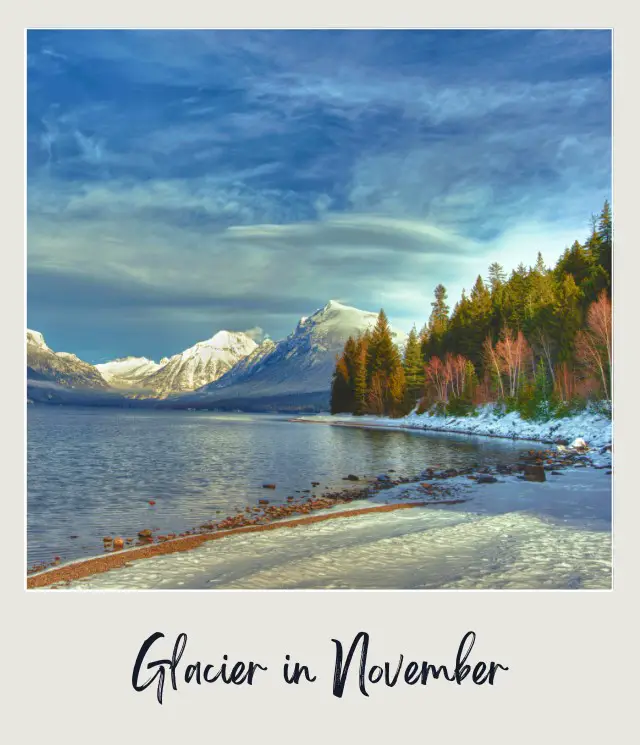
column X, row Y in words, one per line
column 227, row 371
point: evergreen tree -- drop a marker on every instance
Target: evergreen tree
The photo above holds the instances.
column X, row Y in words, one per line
column 383, row 361
column 567, row 316
column 360, row 376
column 497, row 277
column 576, row 261
column 605, row 231
column 438, row 324
column 340, row 401
column 413, row 369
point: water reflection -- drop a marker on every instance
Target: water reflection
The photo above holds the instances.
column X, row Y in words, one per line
column 92, row 472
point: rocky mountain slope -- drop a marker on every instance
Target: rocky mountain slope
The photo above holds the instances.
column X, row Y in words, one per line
column 61, row 368
column 127, row 372
column 298, row 368
column 202, row 363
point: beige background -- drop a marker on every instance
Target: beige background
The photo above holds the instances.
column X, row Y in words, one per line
column 571, row 654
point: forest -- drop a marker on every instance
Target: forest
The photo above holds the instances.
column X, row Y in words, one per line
column 538, row 341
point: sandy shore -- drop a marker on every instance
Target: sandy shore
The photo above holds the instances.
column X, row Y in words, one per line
column 88, row 567
column 276, row 516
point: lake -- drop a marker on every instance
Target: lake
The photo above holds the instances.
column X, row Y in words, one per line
column 92, row 472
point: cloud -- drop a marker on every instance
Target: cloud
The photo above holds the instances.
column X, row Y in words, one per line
column 256, row 333
column 180, row 182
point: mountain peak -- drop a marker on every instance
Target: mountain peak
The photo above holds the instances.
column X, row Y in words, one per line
column 36, row 338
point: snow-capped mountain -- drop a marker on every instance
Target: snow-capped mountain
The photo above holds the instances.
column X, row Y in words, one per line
column 127, row 372
column 60, row 368
column 199, row 365
column 36, row 339
column 300, row 366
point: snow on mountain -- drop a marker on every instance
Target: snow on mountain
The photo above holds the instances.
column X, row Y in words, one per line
column 60, row 368
column 36, row 339
column 299, row 365
column 199, row 365
column 127, row 372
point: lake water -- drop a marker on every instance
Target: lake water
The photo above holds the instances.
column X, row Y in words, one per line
column 92, row 472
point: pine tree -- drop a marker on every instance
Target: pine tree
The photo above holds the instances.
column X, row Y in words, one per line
column 382, row 354
column 440, row 311
column 341, row 399
column 567, row 316
column 497, row 276
column 605, row 231
column 383, row 361
column 438, row 324
column 360, row 376
column 576, row 261
column 413, row 369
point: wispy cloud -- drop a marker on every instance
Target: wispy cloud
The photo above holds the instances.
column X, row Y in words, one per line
column 240, row 179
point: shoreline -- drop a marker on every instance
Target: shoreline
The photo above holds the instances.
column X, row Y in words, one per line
column 282, row 515
column 593, row 427
column 99, row 564
column 417, row 428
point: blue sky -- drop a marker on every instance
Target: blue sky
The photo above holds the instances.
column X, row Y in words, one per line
column 180, row 182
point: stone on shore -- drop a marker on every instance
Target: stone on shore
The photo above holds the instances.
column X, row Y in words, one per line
column 534, row 473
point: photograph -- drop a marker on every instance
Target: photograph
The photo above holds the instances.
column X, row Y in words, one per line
column 318, row 309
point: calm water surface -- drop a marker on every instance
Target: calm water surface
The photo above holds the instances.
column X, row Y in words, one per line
column 92, row 472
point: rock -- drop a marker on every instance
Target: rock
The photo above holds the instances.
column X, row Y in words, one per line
column 534, row 473
column 608, row 473
column 557, row 473
column 579, row 444
column 118, row 543
column 561, row 441
column 268, row 486
column 263, row 501
column 384, row 477
column 351, row 477
column 146, row 533
column 392, row 470
column 315, row 483
column 450, row 473
column 486, row 480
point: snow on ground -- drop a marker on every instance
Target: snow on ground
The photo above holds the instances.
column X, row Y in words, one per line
column 512, row 534
column 593, row 427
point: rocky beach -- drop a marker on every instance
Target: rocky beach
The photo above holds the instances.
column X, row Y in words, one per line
column 362, row 497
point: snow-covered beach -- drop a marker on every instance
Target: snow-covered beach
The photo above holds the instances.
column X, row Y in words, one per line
column 506, row 533
column 591, row 426
column 484, row 543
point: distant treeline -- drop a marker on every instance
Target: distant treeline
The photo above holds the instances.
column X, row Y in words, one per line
column 538, row 340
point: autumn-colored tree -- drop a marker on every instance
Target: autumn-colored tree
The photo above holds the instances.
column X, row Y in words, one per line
column 514, row 357
column 540, row 332
column 594, row 344
column 436, row 380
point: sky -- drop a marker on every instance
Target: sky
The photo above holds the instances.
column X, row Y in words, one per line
column 183, row 182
